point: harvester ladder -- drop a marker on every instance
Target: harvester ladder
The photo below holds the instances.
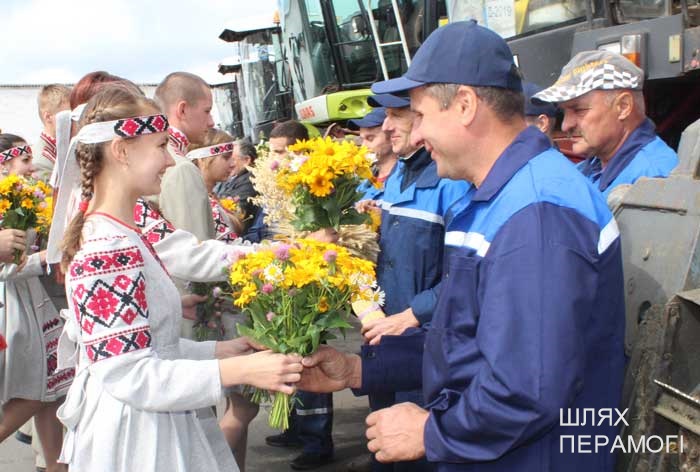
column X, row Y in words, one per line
column 380, row 45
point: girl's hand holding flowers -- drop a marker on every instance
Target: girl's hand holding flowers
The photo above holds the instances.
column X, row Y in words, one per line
column 24, row 205
column 264, row 370
column 11, row 240
column 295, row 295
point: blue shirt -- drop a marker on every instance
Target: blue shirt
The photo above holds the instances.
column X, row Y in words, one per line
column 643, row 154
column 409, row 266
column 529, row 320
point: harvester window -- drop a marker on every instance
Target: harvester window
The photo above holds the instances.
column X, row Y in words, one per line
column 511, row 18
column 352, row 40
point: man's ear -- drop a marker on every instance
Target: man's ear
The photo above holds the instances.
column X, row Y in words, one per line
column 543, row 123
column 181, row 109
column 467, row 103
column 624, row 105
column 47, row 118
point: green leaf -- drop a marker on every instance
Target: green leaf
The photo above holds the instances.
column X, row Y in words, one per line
column 352, row 217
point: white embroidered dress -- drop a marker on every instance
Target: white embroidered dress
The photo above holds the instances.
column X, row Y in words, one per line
column 131, row 406
column 31, row 326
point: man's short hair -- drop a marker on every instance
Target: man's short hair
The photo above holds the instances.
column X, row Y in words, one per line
column 51, row 97
column 292, row 130
column 505, row 103
column 178, row 86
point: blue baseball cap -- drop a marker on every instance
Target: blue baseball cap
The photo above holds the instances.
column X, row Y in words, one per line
column 534, row 106
column 459, row 53
column 371, row 119
column 388, row 101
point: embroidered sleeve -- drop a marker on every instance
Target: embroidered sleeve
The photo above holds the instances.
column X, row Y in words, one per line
column 151, row 222
column 222, row 223
column 188, row 259
column 107, row 288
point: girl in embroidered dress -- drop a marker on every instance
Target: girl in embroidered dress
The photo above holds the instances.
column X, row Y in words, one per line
column 214, row 158
column 137, row 383
column 30, row 384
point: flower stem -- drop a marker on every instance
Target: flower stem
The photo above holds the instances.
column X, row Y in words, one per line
column 18, row 257
column 279, row 416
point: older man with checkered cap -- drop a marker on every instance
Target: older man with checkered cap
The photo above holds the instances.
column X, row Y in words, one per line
column 600, row 93
column 530, row 313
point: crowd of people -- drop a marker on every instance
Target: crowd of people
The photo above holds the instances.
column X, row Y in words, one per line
column 499, row 258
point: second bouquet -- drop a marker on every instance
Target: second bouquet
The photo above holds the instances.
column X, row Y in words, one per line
column 295, row 296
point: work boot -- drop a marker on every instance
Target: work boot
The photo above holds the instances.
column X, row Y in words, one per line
column 308, row 461
column 283, row 440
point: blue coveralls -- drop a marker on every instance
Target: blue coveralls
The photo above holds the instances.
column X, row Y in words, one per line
column 530, row 319
column 409, row 266
column 643, row 154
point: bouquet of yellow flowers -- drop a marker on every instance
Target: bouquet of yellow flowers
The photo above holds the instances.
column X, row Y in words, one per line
column 294, row 295
column 232, row 205
column 24, row 204
column 321, row 177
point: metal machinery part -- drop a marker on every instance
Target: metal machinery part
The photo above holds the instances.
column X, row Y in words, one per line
column 659, row 222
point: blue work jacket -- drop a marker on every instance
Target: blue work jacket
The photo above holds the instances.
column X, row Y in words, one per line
column 409, row 266
column 530, row 320
column 643, row 154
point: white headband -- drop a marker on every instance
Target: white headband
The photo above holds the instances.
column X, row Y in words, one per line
column 210, row 151
column 77, row 112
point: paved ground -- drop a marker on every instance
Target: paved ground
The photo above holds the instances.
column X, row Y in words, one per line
column 348, row 434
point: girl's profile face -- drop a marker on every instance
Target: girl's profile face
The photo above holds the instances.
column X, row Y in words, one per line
column 21, row 166
column 219, row 167
column 148, row 158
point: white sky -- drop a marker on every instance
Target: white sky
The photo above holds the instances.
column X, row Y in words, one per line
column 47, row 41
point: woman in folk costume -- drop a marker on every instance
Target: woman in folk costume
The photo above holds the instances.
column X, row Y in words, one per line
column 213, row 157
column 30, row 383
column 181, row 252
column 137, row 383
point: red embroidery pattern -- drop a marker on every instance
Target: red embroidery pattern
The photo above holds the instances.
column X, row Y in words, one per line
column 50, row 324
column 106, row 262
column 15, row 152
column 119, row 344
column 64, row 376
column 223, row 231
column 49, row 151
column 145, row 216
column 178, row 140
column 107, row 303
column 139, row 125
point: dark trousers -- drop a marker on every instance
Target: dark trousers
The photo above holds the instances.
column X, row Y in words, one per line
column 312, row 422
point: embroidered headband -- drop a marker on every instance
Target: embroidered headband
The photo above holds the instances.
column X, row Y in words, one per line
column 209, row 151
column 125, row 128
column 15, row 152
column 67, row 170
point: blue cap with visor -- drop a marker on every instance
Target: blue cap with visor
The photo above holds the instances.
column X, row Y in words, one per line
column 458, row 53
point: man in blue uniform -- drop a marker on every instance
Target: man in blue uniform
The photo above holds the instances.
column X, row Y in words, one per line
column 530, row 314
column 414, row 203
column 600, row 93
column 540, row 114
